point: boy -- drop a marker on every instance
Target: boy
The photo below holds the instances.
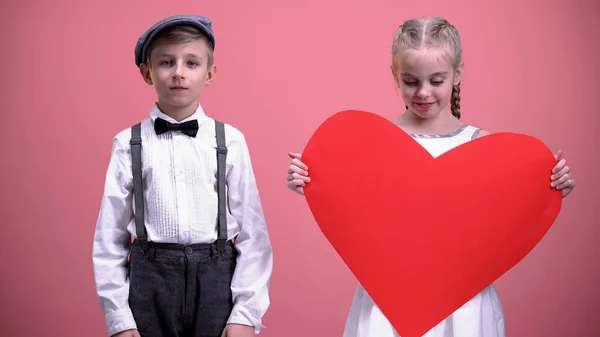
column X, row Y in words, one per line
column 182, row 185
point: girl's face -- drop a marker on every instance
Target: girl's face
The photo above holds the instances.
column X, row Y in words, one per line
column 426, row 78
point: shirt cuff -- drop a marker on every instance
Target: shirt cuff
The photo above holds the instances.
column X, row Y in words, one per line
column 241, row 316
column 120, row 320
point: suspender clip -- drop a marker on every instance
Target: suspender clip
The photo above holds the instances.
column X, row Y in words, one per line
column 222, row 149
column 135, row 140
column 221, row 245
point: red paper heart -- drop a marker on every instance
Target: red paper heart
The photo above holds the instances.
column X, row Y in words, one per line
column 425, row 235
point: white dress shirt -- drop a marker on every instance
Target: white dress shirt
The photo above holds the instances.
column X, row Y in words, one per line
column 181, row 206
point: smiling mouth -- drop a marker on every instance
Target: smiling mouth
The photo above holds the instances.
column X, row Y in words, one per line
column 424, row 104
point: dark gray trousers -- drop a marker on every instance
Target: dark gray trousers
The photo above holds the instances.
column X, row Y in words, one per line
column 181, row 291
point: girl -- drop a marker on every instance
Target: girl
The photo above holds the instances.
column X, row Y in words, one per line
column 427, row 66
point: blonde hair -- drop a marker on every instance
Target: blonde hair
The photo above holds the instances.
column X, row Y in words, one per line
column 181, row 34
column 433, row 32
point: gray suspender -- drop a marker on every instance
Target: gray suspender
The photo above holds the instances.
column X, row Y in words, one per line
column 138, row 189
column 136, row 155
column 221, row 160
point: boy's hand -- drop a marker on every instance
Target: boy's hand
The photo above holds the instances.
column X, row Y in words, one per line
column 128, row 333
column 238, row 330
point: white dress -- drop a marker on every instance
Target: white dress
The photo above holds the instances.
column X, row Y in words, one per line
column 482, row 316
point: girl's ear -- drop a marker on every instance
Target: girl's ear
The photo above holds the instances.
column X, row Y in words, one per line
column 395, row 74
column 458, row 74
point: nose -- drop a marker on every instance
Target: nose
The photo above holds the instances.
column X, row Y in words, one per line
column 424, row 91
column 179, row 71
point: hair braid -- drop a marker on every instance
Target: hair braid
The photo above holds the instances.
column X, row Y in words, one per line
column 455, row 102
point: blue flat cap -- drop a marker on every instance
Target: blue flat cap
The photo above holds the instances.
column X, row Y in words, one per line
column 200, row 22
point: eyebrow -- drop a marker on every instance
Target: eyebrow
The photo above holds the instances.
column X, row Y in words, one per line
column 187, row 55
column 439, row 73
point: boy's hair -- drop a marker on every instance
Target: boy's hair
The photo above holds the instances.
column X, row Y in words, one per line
column 181, row 34
column 431, row 32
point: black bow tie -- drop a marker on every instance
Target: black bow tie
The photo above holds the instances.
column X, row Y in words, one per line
column 190, row 128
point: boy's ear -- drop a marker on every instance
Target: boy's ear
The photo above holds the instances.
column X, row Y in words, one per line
column 145, row 72
column 212, row 73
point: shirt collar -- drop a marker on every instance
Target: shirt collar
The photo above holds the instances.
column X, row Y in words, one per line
column 198, row 114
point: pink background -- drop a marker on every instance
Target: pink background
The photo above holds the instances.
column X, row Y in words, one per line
column 69, row 84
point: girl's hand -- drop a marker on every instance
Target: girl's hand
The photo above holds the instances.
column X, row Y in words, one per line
column 561, row 178
column 297, row 174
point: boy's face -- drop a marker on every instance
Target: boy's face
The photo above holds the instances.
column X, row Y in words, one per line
column 179, row 72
